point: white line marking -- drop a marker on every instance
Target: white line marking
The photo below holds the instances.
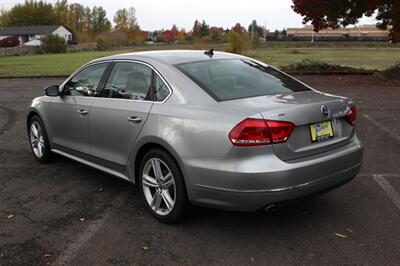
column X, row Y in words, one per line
column 384, row 174
column 72, row 250
column 388, row 188
column 384, row 128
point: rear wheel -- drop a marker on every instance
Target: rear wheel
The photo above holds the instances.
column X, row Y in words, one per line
column 39, row 141
column 162, row 187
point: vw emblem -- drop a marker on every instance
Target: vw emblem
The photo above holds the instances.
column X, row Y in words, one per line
column 325, row 110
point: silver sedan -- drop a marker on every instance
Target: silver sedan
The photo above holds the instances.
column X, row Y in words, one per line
column 208, row 128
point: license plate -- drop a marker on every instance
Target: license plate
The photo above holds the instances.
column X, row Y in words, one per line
column 321, row 131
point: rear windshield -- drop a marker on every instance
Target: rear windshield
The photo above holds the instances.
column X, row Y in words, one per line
column 229, row 79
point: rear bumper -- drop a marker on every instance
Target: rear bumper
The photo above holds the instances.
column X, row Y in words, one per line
column 246, row 186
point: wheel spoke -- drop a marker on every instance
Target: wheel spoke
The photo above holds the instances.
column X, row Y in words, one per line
column 155, row 203
column 40, row 148
column 156, row 168
column 35, row 142
column 169, row 202
column 168, row 180
column 35, row 130
column 149, row 181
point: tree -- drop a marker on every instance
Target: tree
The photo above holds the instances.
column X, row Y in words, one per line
column 61, row 11
column 216, row 33
column 239, row 29
column 87, row 21
column 258, row 30
column 196, row 29
column 32, row 13
column 3, row 17
column 238, row 43
column 132, row 21
column 99, row 20
column 334, row 14
column 125, row 19
column 204, row 29
column 76, row 17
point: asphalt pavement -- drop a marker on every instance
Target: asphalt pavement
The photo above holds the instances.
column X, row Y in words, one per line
column 65, row 213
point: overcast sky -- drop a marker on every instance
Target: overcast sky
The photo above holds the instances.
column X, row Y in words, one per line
column 157, row 14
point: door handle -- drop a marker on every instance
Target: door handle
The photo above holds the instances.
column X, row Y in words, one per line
column 82, row 112
column 134, row 119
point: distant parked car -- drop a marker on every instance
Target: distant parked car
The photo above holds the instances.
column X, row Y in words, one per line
column 213, row 129
column 11, row 41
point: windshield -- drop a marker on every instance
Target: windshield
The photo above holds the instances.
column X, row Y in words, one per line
column 229, row 79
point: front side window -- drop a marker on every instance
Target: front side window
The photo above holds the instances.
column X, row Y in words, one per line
column 128, row 81
column 229, row 79
column 86, row 82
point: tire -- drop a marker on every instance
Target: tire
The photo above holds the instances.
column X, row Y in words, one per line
column 39, row 143
column 169, row 187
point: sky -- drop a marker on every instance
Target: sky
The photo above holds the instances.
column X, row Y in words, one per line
column 162, row 14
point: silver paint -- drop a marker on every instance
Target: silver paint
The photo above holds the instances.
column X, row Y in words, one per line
column 194, row 128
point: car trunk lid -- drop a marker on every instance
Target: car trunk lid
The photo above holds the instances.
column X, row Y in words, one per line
column 303, row 109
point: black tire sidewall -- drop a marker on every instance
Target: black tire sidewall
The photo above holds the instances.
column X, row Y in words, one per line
column 181, row 197
column 47, row 154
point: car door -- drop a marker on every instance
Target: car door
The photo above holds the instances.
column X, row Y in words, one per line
column 69, row 113
column 120, row 112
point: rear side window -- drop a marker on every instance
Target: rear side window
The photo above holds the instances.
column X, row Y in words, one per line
column 229, row 79
column 161, row 90
column 128, row 81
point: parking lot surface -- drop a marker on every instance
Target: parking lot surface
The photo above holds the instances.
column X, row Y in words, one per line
column 65, row 213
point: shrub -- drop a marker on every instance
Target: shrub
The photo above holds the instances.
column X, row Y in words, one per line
column 53, row 44
column 238, row 43
column 11, row 41
column 392, row 72
column 103, row 42
column 111, row 39
column 310, row 66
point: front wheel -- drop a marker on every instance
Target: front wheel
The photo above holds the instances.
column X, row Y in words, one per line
column 39, row 141
column 162, row 187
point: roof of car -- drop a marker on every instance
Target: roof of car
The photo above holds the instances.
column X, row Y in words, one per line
column 172, row 57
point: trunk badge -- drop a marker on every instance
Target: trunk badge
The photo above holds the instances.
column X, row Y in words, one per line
column 325, row 110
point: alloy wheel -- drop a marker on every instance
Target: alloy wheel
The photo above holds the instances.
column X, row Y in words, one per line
column 37, row 139
column 159, row 187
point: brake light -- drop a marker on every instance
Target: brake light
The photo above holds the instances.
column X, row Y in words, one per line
column 257, row 132
column 352, row 116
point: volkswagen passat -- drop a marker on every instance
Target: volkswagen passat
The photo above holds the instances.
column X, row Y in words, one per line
column 212, row 129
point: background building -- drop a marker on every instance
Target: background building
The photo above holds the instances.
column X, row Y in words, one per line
column 361, row 33
column 31, row 35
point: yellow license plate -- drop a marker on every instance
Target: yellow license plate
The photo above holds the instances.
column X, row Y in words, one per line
column 321, row 131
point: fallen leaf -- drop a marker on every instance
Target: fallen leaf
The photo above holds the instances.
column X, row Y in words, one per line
column 349, row 229
column 340, row 235
column 82, row 219
column 10, row 216
column 47, row 255
column 145, row 247
column 100, row 189
column 252, row 259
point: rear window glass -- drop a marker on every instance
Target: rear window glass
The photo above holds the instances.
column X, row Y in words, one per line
column 229, row 79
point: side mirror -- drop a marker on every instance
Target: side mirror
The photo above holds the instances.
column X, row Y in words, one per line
column 52, row 90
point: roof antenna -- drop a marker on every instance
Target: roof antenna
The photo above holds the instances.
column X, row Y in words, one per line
column 210, row 53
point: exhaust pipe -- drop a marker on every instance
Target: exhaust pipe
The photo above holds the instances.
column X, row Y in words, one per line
column 271, row 208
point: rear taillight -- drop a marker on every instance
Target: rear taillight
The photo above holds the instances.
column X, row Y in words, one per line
column 257, row 132
column 352, row 116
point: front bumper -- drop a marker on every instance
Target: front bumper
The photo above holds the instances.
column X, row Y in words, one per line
column 251, row 185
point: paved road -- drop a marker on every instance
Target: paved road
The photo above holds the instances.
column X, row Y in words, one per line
column 67, row 213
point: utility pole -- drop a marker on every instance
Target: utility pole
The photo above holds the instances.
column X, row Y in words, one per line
column 253, row 25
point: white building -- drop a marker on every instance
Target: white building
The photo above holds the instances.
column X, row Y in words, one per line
column 31, row 35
